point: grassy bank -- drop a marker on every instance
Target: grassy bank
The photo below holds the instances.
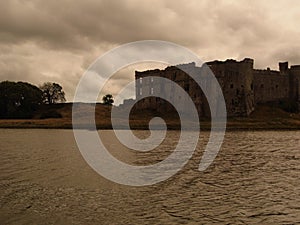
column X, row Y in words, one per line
column 264, row 118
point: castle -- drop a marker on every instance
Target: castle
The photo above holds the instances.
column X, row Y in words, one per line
column 243, row 86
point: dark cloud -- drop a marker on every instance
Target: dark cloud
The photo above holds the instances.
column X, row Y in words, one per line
column 58, row 40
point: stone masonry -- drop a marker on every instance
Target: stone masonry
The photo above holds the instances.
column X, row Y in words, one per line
column 243, row 86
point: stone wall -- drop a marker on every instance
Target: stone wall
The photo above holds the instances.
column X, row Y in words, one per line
column 243, row 87
column 270, row 86
column 148, row 86
column 236, row 81
column 295, row 84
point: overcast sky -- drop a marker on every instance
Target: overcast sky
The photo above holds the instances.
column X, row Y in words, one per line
column 57, row 40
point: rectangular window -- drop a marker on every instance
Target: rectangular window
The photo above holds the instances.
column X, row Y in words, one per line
column 151, row 91
column 187, row 87
column 141, row 80
column 174, row 76
column 141, row 92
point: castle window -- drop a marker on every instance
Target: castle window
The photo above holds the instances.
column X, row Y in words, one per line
column 174, row 76
column 141, row 92
column 262, row 86
column 276, row 85
column 237, row 91
column 232, row 101
column 187, row 87
column 151, row 79
column 141, row 80
column 231, row 86
column 151, row 91
column 251, row 86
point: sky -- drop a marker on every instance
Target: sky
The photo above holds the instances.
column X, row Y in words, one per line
column 56, row 41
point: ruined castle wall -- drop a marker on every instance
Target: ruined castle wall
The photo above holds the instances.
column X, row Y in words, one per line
column 235, row 79
column 145, row 86
column 270, row 86
column 242, row 86
column 295, row 84
column 184, row 81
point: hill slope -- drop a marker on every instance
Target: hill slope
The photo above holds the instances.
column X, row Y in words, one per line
column 60, row 116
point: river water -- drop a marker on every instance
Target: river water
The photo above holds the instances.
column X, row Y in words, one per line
column 253, row 180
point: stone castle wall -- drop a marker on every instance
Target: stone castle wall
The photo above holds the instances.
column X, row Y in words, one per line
column 236, row 81
column 294, row 73
column 270, row 86
column 243, row 87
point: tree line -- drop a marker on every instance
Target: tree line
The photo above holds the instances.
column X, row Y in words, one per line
column 21, row 99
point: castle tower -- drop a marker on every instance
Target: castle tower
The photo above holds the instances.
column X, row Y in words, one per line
column 294, row 76
column 236, row 80
column 283, row 67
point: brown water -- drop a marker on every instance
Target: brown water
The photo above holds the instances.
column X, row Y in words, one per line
column 254, row 180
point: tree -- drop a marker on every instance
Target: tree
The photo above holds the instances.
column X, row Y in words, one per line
column 19, row 99
column 108, row 99
column 52, row 93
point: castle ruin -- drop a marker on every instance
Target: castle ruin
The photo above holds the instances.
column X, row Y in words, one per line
column 243, row 86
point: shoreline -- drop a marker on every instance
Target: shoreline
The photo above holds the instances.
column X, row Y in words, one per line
column 232, row 125
column 263, row 118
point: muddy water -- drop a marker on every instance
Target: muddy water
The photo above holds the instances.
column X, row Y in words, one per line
column 254, row 180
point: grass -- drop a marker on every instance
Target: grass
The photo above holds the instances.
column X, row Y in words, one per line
column 263, row 118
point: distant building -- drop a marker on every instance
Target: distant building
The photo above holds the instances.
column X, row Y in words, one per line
column 127, row 103
column 243, row 86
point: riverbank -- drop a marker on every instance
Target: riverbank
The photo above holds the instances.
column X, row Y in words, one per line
column 264, row 118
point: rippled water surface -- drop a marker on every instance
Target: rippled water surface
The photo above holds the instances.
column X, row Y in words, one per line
column 254, row 180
